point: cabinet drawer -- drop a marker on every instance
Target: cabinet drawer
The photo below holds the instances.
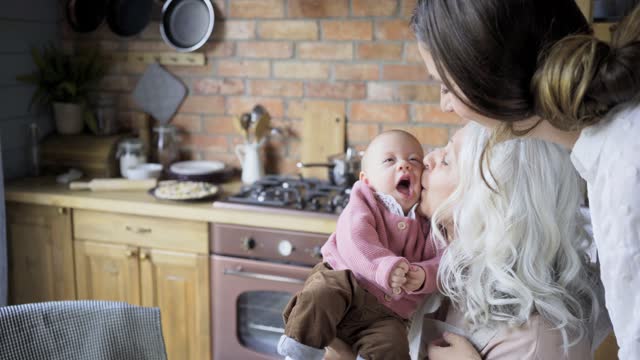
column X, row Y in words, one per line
column 145, row 231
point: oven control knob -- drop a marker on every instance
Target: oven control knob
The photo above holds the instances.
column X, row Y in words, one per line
column 316, row 252
column 248, row 243
column 285, row 248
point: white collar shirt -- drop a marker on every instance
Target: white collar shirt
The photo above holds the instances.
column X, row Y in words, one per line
column 607, row 156
column 394, row 206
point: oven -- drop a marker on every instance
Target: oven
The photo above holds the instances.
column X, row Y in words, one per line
column 254, row 273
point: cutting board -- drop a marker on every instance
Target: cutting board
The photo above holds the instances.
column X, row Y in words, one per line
column 323, row 135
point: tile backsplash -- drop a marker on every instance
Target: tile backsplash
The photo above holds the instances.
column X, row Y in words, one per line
column 358, row 57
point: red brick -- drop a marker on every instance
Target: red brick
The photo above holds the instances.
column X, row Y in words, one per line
column 428, row 113
column 260, row 9
column 245, row 68
column 411, row 53
column 276, row 88
column 218, row 49
column 328, row 106
column 347, row 30
column 397, row 29
column 265, row 49
column 188, row 123
column 148, row 46
column 324, row 51
column 357, row 71
column 429, row 136
column 407, row 7
column 288, row 30
column 239, row 105
column 234, row 30
column 202, row 104
column 335, row 90
column 361, row 133
column 380, row 91
column 318, row 8
column 206, row 142
column 417, row 72
column 418, row 92
column 226, row 157
column 301, row 70
column 217, row 86
column 379, row 51
column 374, row 8
column 366, row 111
column 220, row 125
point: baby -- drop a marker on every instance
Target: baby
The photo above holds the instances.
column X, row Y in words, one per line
column 378, row 265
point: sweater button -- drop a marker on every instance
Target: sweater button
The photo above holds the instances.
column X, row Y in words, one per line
column 402, row 225
column 387, row 297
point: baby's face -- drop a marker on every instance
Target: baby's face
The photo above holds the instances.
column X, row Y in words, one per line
column 393, row 165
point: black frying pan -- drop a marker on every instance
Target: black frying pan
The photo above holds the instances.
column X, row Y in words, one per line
column 129, row 17
column 86, row 15
column 187, row 24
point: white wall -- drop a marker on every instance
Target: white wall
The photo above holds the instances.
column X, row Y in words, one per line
column 23, row 24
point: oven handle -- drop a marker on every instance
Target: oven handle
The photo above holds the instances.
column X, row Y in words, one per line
column 260, row 276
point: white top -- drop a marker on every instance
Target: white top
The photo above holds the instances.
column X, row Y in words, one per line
column 394, row 206
column 607, row 156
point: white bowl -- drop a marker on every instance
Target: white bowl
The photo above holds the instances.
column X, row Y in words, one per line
column 144, row 171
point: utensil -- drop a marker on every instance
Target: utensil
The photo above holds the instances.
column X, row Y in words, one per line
column 242, row 124
column 187, row 24
column 159, row 93
column 86, row 16
column 129, row 17
column 262, row 127
column 113, row 184
column 343, row 169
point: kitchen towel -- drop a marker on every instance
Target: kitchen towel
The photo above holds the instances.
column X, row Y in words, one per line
column 79, row 330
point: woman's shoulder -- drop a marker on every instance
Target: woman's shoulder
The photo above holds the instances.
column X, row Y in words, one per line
column 537, row 339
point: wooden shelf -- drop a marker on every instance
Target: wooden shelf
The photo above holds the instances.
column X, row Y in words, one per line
column 164, row 58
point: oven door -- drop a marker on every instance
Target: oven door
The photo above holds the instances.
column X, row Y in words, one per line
column 248, row 298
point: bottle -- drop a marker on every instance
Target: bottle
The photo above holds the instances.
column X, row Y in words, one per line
column 35, row 149
column 131, row 153
column 165, row 145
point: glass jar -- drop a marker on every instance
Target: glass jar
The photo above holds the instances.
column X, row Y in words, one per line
column 165, row 145
column 105, row 110
column 131, row 153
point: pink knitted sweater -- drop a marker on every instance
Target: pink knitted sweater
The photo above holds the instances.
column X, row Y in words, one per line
column 370, row 240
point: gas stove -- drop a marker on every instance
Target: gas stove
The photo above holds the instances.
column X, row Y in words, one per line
column 306, row 195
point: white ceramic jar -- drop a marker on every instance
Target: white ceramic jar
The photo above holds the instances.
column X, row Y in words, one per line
column 131, row 153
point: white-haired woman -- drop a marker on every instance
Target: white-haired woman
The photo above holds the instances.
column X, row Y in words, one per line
column 516, row 274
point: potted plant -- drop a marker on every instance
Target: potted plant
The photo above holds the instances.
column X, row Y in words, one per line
column 65, row 80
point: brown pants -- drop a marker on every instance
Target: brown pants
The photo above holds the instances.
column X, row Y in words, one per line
column 331, row 304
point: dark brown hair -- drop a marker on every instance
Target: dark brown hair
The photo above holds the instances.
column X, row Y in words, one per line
column 582, row 78
column 490, row 48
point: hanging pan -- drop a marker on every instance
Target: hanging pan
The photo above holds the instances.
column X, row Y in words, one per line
column 86, row 15
column 187, row 24
column 129, row 17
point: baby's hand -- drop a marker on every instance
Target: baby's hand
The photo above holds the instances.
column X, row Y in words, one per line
column 414, row 279
column 397, row 278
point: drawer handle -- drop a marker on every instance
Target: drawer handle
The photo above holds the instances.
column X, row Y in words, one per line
column 138, row 230
column 144, row 256
column 131, row 253
column 253, row 275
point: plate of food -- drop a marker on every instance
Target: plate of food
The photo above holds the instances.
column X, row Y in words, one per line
column 184, row 190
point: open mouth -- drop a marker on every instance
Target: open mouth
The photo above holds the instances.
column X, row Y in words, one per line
column 404, row 185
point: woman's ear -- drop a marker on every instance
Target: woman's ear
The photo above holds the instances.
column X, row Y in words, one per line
column 363, row 178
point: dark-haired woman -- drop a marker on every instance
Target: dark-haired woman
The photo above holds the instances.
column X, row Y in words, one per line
column 533, row 68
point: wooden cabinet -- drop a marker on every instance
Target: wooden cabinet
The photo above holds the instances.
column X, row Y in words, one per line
column 602, row 30
column 40, row 253
column 150, row 262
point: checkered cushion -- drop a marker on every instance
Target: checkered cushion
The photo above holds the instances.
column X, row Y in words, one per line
column 71, row 330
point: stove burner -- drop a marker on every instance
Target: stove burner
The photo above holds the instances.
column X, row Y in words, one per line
column 298, row 193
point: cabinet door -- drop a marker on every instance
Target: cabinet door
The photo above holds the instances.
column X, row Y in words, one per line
column 178, row 283
column 40, row 253
column 107, row 272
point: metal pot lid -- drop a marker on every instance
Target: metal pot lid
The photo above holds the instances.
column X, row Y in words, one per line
column 187, row 24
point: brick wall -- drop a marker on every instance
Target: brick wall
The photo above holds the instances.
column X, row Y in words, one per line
column 356, row 56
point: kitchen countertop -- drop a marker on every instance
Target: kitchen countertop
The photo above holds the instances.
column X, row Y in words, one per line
column 45, row 191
